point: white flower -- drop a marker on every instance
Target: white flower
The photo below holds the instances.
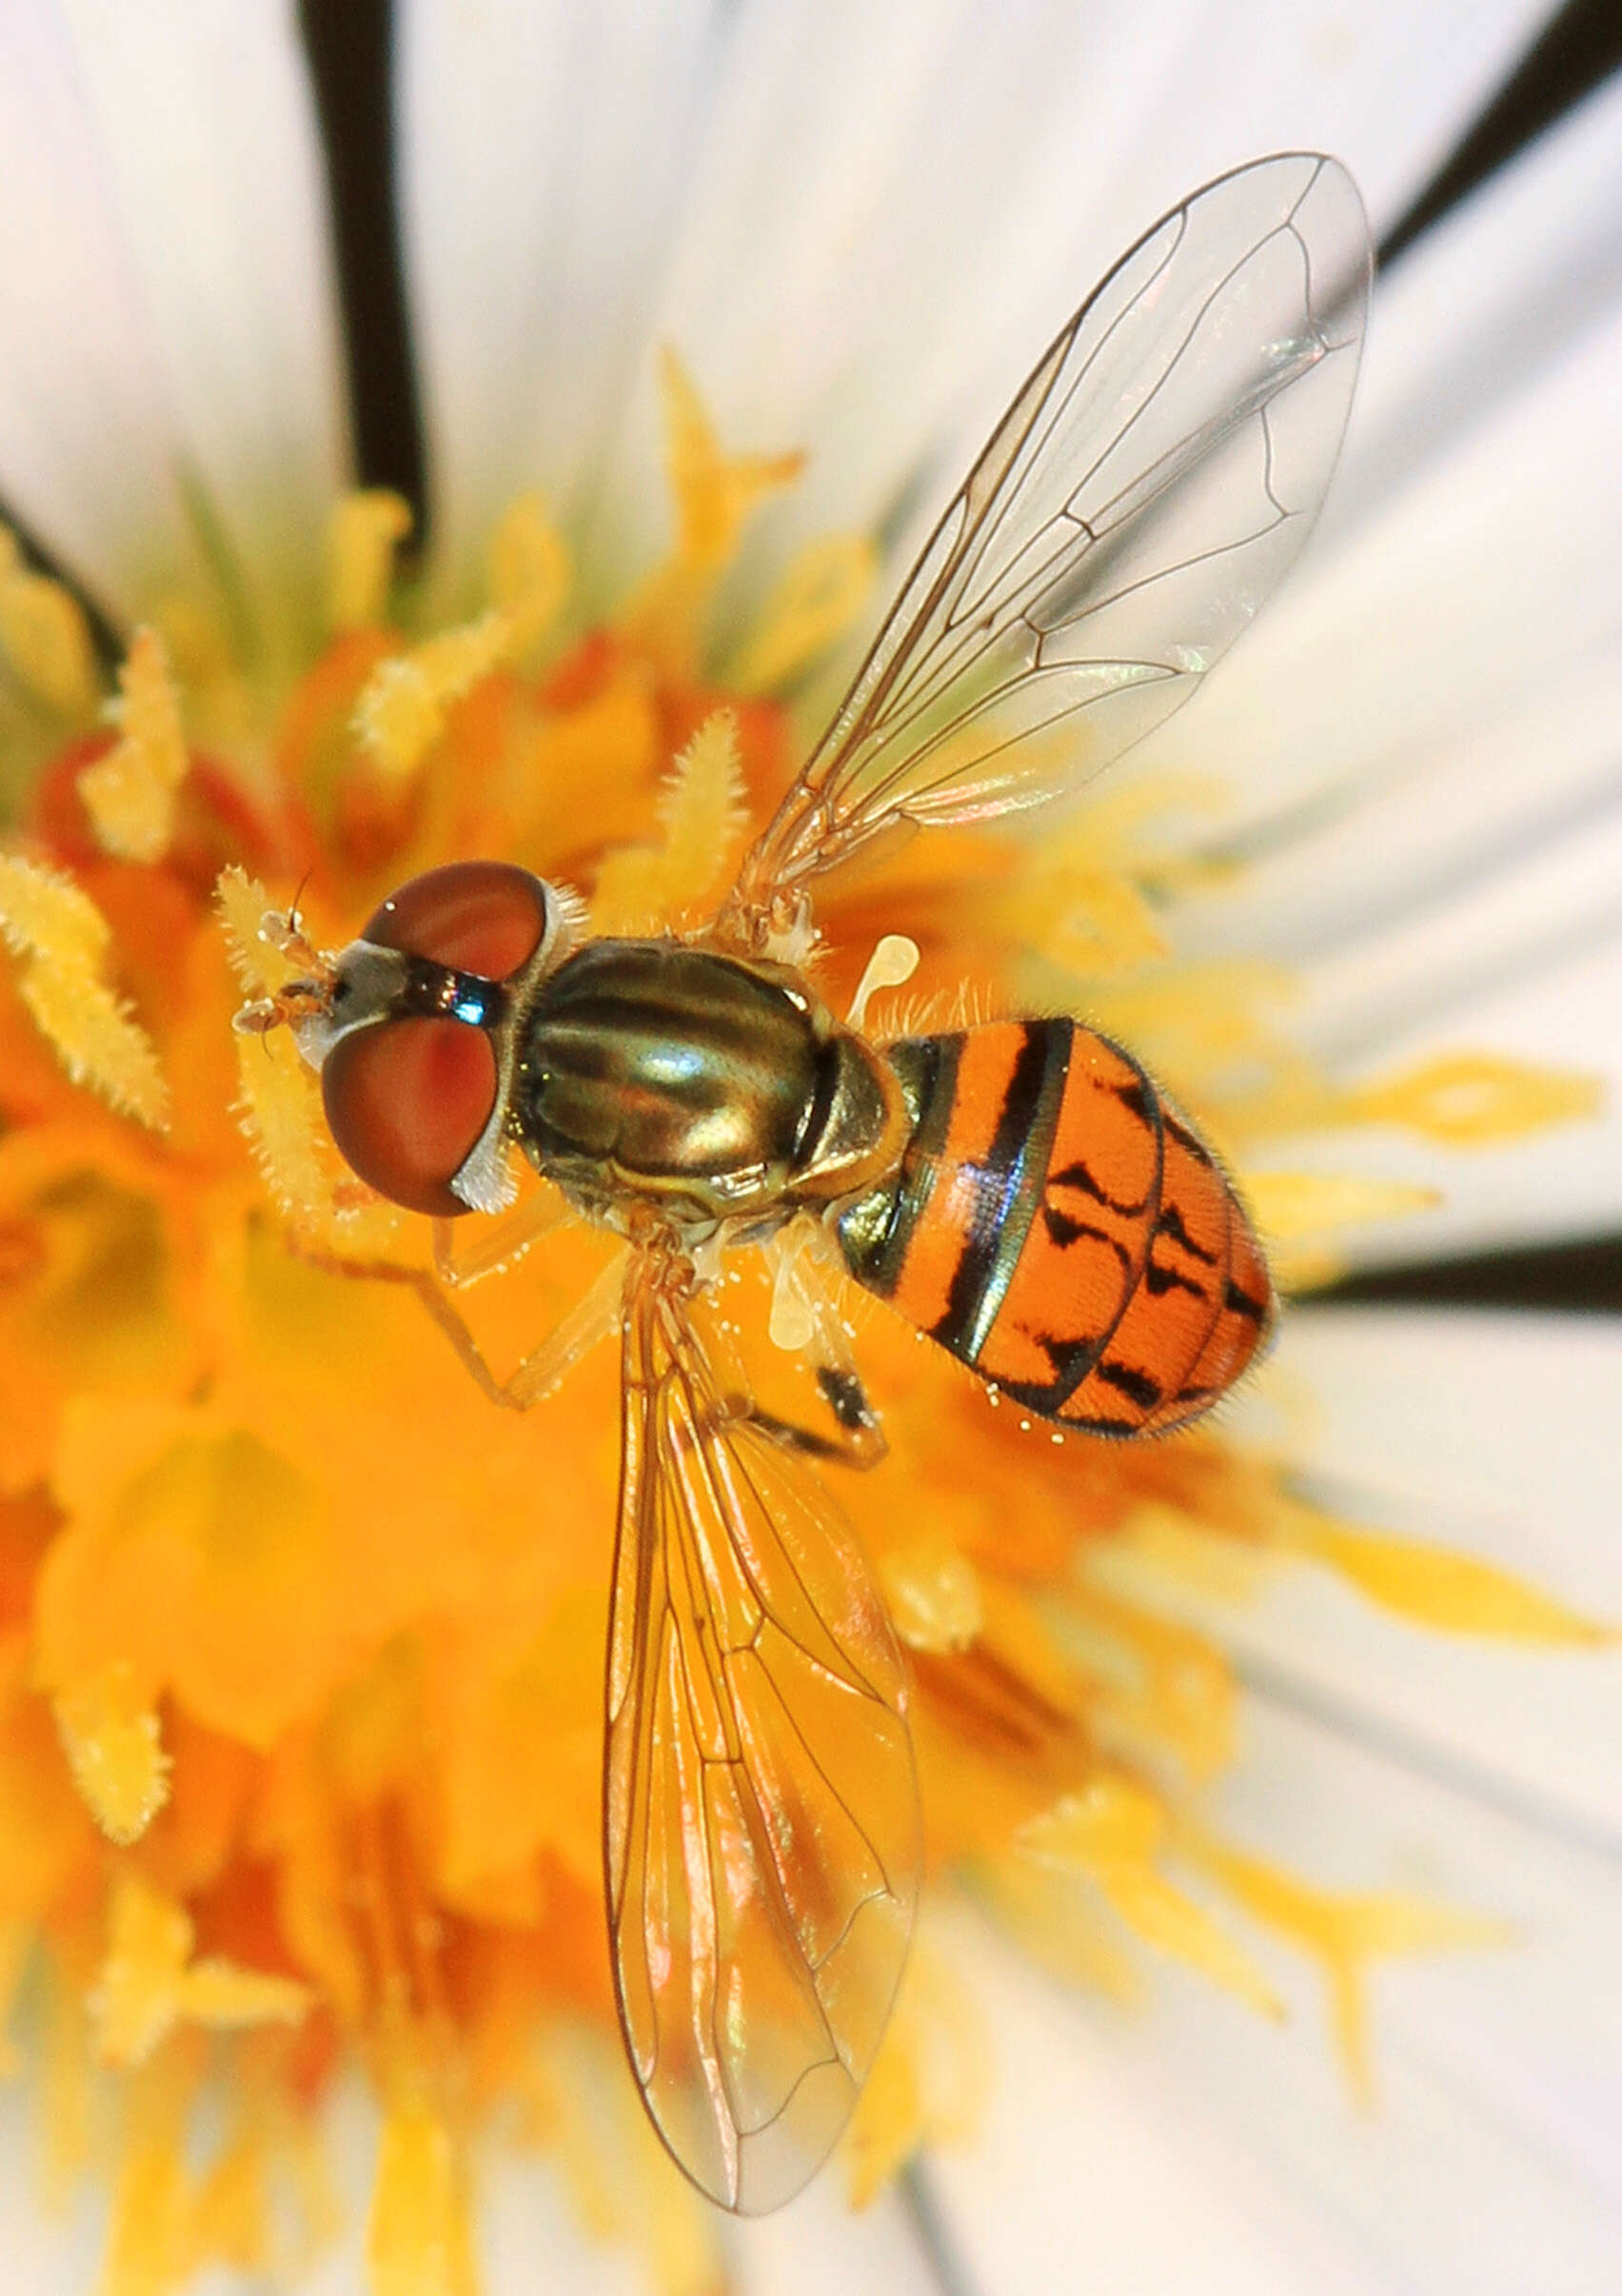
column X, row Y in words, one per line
column 856, row 223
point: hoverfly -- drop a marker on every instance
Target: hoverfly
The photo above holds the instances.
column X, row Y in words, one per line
column 1021, row 1189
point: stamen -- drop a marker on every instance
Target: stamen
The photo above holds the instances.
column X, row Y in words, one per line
column 114, row 1747
column 823, row 593
column 701, row 816
column 403, row 708
column 44, row 637
column 1113, row 1833
column 1303, row 1213
column 1438, row 1587
column 933, row 1592
column 129, row 794
column 365, row 529
column 1342, row 1931
column 55, row 927
column 149, row 1982
column 715, row 494
column 529, row 573
column 419, row 2232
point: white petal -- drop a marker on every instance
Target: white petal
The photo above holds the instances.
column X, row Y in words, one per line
column 1201, row 2149
column 45, row 2253
column 1482, row 301
column 1492, row 2150
column 1561, row 1009
column 542, row 151
column 199, row 215
column 1487, row 584
column 864, row 224
column 85, row 444
column 818, row 2243
column 1090, row 2175
column 1495, row 1435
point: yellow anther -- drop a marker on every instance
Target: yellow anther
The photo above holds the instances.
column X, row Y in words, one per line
column 61, row 935
column 362, row 537
column 715, row 492
column 115, row 1749
column 149, row 1982
column 701, row 818
column 823, row 592
column 1342, row 1931
column 44, row 637
column 129, row 794
column 403, row 708
column 529, row 573
column 1112, row 1832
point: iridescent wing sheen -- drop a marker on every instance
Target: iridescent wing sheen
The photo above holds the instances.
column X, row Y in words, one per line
column 760, row 1817
column 1152, row 481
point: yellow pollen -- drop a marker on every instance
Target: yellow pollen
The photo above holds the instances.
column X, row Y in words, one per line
column 700, row 817
column 365, row 529
column 1344, row 1932
column 1438, row 1587
column 43, row 636
column 129, row 794
column 115, row 1749
column 1111, row 1833
column 822, row 595
column 418, row 2235
column 149, row 1982
column 62, row 937
column 529, row 573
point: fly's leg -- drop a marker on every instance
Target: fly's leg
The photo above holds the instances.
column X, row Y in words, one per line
column 805, row 1321
column 594, row 1316
column 499, row 1240
column 860, row 1441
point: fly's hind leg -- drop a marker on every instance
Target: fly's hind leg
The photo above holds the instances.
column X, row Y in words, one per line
column 805, row 1320
column 860, row 1441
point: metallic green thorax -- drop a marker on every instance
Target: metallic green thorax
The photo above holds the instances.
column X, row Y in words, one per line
column 708, row 1086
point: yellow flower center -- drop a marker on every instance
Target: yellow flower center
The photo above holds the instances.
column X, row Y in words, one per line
column 300, row 1643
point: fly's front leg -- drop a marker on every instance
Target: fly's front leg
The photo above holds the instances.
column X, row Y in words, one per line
column 499, row 1241
column 592, row 1318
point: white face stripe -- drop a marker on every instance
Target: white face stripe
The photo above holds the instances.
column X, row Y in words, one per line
column 485, row 1180
column 367, row 983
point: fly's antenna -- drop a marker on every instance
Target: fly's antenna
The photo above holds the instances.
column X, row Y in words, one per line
column 283, row 930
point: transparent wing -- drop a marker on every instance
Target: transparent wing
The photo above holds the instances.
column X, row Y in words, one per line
column 1149, row 486
column 761, row 1808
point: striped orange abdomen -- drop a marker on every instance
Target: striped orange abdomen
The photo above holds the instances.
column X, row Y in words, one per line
column 1058, row 1228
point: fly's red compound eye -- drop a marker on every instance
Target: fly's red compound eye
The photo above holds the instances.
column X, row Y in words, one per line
column 473, row 917
column 408, row 1101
